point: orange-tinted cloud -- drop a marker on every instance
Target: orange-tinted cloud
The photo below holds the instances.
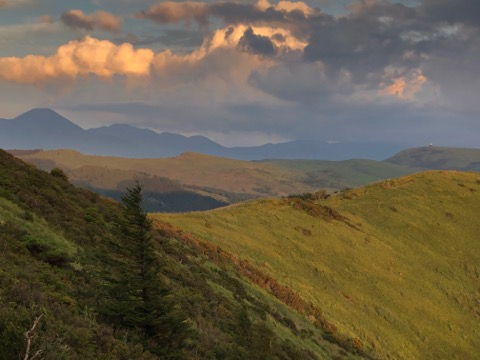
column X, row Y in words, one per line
column 77, row 19
column 88, row 56
column 104, row 59
column 404, row 87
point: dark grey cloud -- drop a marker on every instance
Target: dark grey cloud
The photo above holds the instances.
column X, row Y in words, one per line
column 367, row 41
column 231, row 13
column 236, row 13
column 451, row 12
column 77, row 19
column 174, row 12
column 256, row 44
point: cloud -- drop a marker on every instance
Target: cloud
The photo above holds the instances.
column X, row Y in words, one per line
column 230, row 12
column 286, row 6
column 286, row 51
column 76, row 19
column 256, row 44
column 175, row 12
column 451, row 12
column 229, row 53
column 77, row 58
column 14, row 3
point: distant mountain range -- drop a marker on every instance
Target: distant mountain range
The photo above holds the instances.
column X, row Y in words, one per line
column 48, row 130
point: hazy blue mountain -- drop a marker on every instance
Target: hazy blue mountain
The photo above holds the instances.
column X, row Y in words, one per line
column 46, row 129
column 152, row 144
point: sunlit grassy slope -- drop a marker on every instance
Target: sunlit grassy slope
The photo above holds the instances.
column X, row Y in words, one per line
column 396, row 263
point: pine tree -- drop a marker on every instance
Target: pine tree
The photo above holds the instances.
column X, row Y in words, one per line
column 139, row 298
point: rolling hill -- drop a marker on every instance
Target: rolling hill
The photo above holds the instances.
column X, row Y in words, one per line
column 224, row 179
column 438, row 158
column 59, row 249
column 394, row 264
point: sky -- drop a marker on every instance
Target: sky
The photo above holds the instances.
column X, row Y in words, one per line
column 250, row 72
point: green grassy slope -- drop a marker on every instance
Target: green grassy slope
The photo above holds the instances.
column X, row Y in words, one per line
column 439, row 158
column 341, row 174
column 55, row 245
column 396, row 264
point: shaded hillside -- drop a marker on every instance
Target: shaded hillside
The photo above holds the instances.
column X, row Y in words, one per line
column 394, row 264
column 223, row 179
column 439, row 158
column 58, row 251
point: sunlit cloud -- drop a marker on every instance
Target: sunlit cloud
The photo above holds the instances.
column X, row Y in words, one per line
column 404, row 87
column 104, row 59
column 88, row 56
column 287, row 6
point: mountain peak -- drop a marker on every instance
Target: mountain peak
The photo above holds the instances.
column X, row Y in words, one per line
column 45, row 117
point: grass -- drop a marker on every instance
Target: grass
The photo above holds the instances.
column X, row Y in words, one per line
column 231, row 318
column 264, row 178
column 439, row 158
column 40, row 239
column 342, row 174
column 398, row 267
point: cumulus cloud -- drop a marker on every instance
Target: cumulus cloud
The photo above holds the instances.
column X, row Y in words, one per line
column 225, row 53
column 88, row 56
column 77, row 19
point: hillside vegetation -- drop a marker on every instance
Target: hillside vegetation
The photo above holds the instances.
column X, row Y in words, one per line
column 226, row 180
column 439, row 158
column 59, row 251
column 395, row 264
column 341, row 174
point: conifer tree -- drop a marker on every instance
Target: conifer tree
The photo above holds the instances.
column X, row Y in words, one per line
column 140, row 299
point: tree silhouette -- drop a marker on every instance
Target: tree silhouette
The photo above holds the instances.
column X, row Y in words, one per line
column 139, row 297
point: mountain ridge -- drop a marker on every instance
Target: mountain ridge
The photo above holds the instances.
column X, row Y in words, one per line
column 46, row 129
